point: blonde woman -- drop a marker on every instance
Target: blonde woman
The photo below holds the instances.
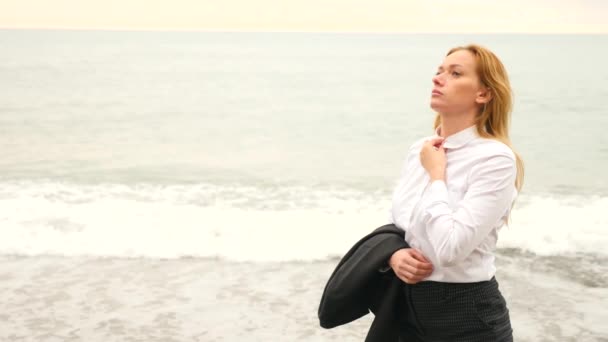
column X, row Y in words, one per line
column 455, row 192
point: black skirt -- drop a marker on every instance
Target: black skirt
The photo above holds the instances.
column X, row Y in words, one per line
column 454, row 312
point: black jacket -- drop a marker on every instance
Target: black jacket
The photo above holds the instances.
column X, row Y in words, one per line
column 357, row 286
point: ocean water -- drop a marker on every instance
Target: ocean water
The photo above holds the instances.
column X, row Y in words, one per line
column 270, row 154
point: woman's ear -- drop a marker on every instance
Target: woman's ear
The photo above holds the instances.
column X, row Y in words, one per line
column 484, row 95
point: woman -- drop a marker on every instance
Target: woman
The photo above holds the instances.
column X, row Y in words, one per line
column 455, row 192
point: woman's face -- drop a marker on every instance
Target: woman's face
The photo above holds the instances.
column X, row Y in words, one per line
column 456, row 86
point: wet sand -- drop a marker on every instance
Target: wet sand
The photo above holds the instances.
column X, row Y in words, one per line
column 92, row 299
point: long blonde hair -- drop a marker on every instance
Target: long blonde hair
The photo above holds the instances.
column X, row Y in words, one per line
column 494, row 118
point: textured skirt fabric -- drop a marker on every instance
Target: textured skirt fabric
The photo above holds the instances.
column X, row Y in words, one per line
column 452, row 312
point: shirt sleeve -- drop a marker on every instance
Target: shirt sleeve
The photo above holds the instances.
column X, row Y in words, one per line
column 454, row 234
column 402, row 174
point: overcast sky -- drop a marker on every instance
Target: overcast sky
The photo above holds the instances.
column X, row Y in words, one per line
column 437, row 16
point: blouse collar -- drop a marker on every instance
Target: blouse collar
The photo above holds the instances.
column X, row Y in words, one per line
column 460, row 138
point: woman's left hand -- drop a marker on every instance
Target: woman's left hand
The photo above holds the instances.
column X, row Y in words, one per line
column 433, row 159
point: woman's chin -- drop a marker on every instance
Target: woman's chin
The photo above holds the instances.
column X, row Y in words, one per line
column 436, row 105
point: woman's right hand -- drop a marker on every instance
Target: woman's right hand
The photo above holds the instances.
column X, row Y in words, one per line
column 410, row 265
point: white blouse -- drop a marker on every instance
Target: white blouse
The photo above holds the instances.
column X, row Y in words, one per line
column 455, row 223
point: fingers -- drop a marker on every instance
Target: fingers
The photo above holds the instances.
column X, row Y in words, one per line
column 435, row 141
column 433, row 162
column 415, row 272
column 418, row 260
column 431, row 145
column 411, row 266
column 416, row 254
column 409, row 278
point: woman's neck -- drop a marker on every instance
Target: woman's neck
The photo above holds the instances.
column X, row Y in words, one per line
column 454, row 124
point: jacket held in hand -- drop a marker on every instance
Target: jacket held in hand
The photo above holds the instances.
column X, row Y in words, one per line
column 356, row 286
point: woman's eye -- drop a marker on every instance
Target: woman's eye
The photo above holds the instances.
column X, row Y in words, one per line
column 455, row 73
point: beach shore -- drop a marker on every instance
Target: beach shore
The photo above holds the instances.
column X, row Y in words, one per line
column 48, row 298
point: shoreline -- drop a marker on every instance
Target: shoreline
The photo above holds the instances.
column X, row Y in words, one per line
column 210, row 299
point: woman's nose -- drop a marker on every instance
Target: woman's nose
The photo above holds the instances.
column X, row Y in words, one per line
column 437, row 80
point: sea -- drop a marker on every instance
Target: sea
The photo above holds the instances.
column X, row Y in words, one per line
column 201, row 186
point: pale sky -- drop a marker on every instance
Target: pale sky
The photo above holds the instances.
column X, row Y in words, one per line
column 433, row 16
